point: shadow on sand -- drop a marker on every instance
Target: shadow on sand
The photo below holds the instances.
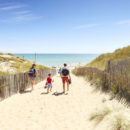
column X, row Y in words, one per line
column 25, row 91
column 44, row 93
column 55, row 93
column 59, row 93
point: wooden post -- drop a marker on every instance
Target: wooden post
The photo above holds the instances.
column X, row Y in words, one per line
column 35, row 57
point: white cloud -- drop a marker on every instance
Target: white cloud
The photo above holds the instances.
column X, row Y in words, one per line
column 124, row 22
column 17, row 13
column 27, row 17
column 20, row 18
column 22, row 12
column 11, row 7
column 86, row 26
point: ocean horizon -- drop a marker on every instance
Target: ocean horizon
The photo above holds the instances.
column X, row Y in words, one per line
column 58, row 59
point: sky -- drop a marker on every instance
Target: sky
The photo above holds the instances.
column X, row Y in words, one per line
column 64, row 26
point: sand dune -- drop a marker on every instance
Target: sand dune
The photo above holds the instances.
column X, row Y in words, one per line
column 39, row 111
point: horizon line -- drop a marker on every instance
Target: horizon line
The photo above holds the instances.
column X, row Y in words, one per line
column 56, row 53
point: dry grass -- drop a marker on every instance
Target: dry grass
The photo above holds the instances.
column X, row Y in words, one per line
column 119, row 121
column 16, row 64
column 115, row 117
column 99, row 115
column 115, row 78
column 101, row 61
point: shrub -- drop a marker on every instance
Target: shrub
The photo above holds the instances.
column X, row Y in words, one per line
column 10, row 54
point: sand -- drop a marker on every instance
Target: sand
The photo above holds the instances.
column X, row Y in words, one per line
column 41, row 111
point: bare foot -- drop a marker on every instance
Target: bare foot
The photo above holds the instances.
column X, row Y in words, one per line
column 32, row 90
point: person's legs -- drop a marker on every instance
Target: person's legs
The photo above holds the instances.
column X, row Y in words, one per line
column 64, row 88
column 32, row 85
column 67, row 81
column 67, row 86
column 50, row 87
column 63, row 81
column 47, row 90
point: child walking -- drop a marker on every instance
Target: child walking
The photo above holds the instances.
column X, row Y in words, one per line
column 49, row 83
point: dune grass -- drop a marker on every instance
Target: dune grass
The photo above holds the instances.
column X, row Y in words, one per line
column 115, row 78
column 17, row 64
column 1, row 53
column 10, row 54
column 4, row 73
column 118, row 55
column 120, row 122
column 116, row 117
column 99, row 115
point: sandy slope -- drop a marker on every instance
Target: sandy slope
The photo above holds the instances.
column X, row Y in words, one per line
column 39, row 111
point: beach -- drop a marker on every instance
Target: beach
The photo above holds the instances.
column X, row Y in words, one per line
column 54, row 111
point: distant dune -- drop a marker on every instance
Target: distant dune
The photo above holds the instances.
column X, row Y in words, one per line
column 118, row 55
column 10, row 64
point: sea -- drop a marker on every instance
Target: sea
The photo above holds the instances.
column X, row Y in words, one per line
column 57, row 60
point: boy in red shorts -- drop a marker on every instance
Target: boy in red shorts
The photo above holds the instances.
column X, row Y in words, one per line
column 65, row 75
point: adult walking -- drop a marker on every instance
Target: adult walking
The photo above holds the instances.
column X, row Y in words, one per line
column 65, row 75
column 32, row 74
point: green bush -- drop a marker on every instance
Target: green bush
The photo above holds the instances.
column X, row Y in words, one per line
column 10, row 54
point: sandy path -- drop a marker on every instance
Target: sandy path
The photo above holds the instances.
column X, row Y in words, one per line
column 39, row 111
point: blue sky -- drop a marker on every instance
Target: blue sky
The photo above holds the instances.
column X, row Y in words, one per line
column 64, row 26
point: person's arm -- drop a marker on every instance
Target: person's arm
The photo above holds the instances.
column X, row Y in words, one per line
column 69, row 76
column 61, row 73
column 36, row 72
column 47, row 80
column 52, row 80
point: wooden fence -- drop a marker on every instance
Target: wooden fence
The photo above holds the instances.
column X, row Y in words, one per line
column 12, row 84
column 115, row 77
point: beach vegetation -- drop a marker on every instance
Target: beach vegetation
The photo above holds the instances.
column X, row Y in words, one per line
column 120, row 122
column 104, row 100
column 101, row 61
column 116, row 117
column 4, row 73
column 15, row 64
column 1, row 53
column 115, row 78
column 10, row 54
column 99, row 115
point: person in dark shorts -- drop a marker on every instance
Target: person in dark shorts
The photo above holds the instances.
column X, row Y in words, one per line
column 65, row 76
